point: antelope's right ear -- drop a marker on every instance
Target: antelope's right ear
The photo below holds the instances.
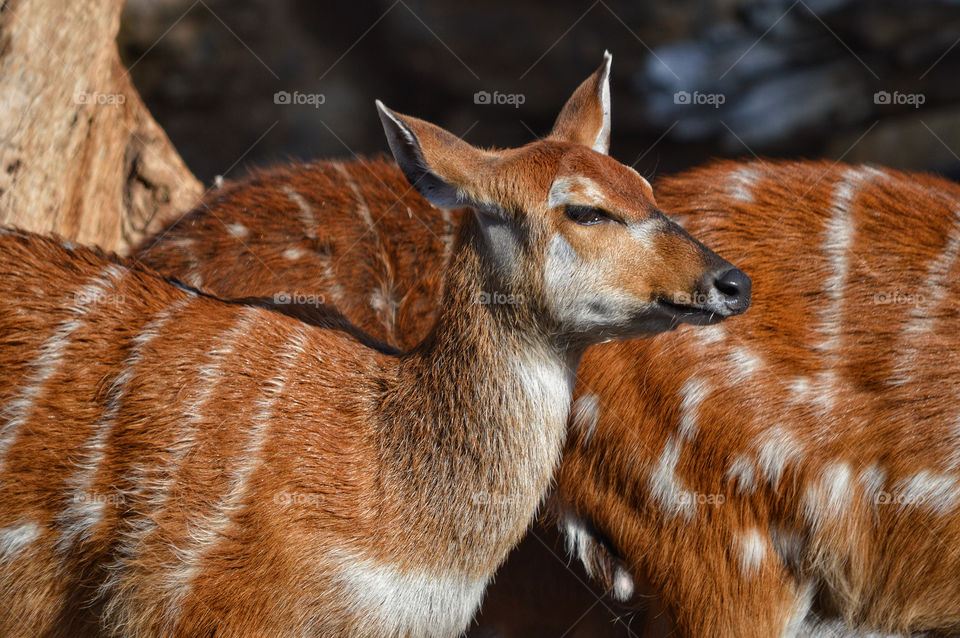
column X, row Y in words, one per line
column 440, row 165
column 585, row 118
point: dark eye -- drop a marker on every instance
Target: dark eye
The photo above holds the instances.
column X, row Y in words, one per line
column 588, row 216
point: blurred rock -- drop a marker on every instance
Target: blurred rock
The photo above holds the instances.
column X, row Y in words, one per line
column 783, row 77
column 794, row 77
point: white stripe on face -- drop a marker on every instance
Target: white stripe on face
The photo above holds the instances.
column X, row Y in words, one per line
column 575, row 189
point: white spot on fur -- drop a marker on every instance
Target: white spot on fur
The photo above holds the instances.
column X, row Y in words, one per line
column 334, row 288
column 799, row 388
column 938, row 493
column 582, row 544
column 745, row 362
column 741, row 182
column 828, row 496
column 306, row 211
column 586, row 413
column 838, row 238
column 742, row 471
column 710, row 335
column 872, row 478
column 622, row 585
column 362, row 207
column 293, row 253
column 776, row 448
column 408, row 603
column 15, row 539
column 384, row 301
column 692, row 395
column 51, row 355
column 751, row 547
column 238, row 230
column 384, row 297
column 194, row 278
column 837, row 242
column 665, row 486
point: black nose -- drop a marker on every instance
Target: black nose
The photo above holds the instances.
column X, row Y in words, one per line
column 734, row 285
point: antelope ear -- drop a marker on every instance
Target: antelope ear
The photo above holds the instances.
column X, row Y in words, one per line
column 585, row 118
column 440, row 165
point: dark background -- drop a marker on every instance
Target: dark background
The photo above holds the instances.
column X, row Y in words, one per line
column 797, row 77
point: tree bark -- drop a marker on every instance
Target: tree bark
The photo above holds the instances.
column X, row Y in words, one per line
column 80, row 155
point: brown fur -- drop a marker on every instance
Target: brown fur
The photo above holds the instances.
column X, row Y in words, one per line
column 874, row 564
column 222, row 469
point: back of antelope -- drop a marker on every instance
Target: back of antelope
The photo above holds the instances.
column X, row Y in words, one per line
column 797, row 466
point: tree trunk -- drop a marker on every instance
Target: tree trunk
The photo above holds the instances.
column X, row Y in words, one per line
column 80, row 155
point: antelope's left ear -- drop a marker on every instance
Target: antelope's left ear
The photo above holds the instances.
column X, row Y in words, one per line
column 585, row 118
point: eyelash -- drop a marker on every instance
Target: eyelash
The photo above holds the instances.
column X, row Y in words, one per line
column 587, row 215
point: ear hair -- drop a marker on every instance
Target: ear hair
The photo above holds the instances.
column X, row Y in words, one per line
column 585, row 118
column 408, row 151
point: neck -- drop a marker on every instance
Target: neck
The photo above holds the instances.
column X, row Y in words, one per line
column 479, row 413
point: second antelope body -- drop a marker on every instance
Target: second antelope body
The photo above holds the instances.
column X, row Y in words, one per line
column 171, row 464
